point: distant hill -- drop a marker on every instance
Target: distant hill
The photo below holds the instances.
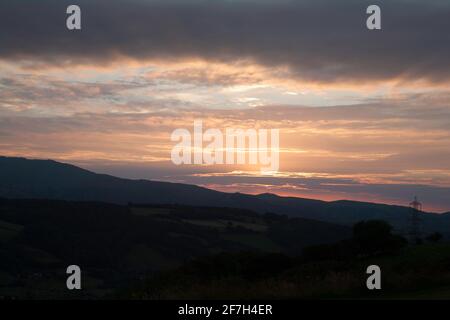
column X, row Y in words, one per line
column 46, row 179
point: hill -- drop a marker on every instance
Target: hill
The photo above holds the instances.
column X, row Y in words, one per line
column 117, row 245
column 45, row 179
column 414, row 272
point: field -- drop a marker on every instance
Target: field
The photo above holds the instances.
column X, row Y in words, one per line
column 410, row 274
column 180, row 252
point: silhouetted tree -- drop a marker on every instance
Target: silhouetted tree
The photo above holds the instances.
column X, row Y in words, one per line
column 375, row 237
column 435, row 237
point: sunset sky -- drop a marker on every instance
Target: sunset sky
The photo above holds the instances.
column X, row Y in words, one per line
column 362, row 114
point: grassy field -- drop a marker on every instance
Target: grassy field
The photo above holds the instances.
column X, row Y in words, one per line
column 255, row 241
column 417, row 272
column 201, row 252
column 9, row 230
column 142, row 211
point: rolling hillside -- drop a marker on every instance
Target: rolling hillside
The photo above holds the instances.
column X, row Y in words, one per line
column 117, row 245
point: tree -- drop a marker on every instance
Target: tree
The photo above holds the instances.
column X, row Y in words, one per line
column 375, row 237
column 435, row 237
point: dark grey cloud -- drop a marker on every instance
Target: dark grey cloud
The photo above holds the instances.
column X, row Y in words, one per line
column 318, row 40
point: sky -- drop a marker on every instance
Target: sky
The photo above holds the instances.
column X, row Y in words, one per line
column 363, row 114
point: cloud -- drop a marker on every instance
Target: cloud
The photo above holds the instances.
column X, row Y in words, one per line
column 386, row 151
column 320, row 41
column 388, row 136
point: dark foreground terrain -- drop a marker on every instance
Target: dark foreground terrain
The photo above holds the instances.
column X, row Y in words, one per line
column 180, row 252
column 115, row 245
column 416, row 272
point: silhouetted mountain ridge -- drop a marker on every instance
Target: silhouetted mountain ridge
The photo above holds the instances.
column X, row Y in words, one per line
column 48, row 179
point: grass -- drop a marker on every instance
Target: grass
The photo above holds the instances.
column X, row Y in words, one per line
column 39, row 256
column 223, row 224
column 417, row 272
column 150, row 211
column 142, row 256
column 9, row 231
column 254, row 241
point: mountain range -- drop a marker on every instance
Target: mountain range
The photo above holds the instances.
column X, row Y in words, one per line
column 22, row 178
